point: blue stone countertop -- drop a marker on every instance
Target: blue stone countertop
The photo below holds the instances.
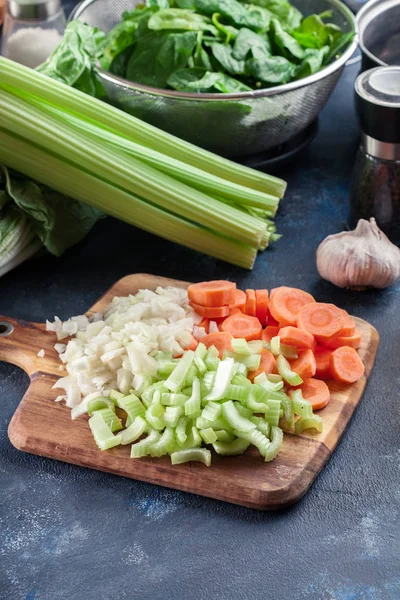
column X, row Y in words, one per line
column 77, row 534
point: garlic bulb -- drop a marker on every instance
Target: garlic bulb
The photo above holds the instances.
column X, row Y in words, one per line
column 359, row 259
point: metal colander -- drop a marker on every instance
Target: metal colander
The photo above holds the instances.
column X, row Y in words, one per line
column 229, row 124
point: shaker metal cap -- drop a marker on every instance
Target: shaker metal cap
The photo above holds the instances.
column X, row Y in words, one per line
column 33, row 9
column 377, row 96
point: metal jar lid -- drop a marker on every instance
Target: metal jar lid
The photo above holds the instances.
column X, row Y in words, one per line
column 31, row 9
column 377, row 95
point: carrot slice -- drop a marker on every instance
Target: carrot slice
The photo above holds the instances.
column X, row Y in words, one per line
column 285, row 303
column 336, row 341
column 269, row 332
column 323, row 359
column 316, row 392
column 349, row 327
column 221, row 340
column 250, row 308
column 320, row 319
column 271, row 321
column 293, row 336
column 267, row 365
column 262, row 306
column 210, row 312
column 240, row 300
column 212, row 293
column 243, row 326
column 305, row 365
column 346, row 365
column 204, row 323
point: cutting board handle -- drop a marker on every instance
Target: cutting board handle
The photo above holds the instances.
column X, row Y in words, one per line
column 20, row 341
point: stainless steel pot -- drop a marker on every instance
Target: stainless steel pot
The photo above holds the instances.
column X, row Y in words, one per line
column 379, row 33
column 229, row 124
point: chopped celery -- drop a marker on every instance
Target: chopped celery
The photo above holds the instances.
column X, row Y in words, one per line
column 237, row 392
column 193, row 439
column 223, row 378
column 110, row 418
column 201, row 351
column 255, row 437
column 252, row 362
column 171, row 399
column 314, row 422
column 148, row 394
column 288, row 411
column 155, row 415
column 163, row 356
column 187, row 391
column 200, row 365
column 301, row 407
column 141, row 448
column 240, row 346
column 224, row 436
column 286, row 372
column 102, row 434
column 193, row 404
column 165, row 369
column 243, row 411
column 274, row 378
column 241, row 369
column 265, row 382
column 190, row 375
column 142, row 382
column 262, row 425
column 275, row 345
column 132, row 406
column 212, row 352
column 99, row 403
column 134, row 431
column 180, row 431
column 114, row 395
column 241, row 379
column 275, row 445
column 211, row 411
column 212, row 364
column 208, row 435
column 176, row 380
column 289, row 351
column 191, row 454
column 255, row 346
column 164, row 444
column 234, row 418
column 172, row 415
column 208, row 381
column 232, row 448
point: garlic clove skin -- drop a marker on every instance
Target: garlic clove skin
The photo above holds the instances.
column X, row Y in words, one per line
column 359, row 259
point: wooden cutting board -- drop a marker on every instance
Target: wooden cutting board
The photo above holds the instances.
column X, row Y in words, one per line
column 44, row 427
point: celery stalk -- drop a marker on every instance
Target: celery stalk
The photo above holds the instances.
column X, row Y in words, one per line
column 99, row 403
column 301, row 406
column 240, row 346
column 286, row 372
column 208, row 435
column 164, row 444
column 132, row 433
column 141, row 448
column 314, row 422
column 222, row 380
column 132, row 406
column 102, row 434
column 232, row 448
column 255, row 437
column 193, row 404
column 192, row 454
column 275, row 445
column 176, row 380
column 180, row 430
column 235, row 420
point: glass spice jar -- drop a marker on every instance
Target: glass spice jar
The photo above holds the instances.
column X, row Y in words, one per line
column 375, row 185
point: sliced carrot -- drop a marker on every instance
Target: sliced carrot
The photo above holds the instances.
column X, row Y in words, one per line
column 316, row 392
column 269, row 332
column 250, row 308
column 210, row 312
column 349, row 327
column 293, row 336
column 323, row 359
column 285, row 303
column 271, row 321
column 221, row 340
column 305, row 365
column 205, row 323
column 212, row 293
column 243, row 326
column 336, row 341
column 240, row 300
column 346, row 365
column 320, row 319
column 193, row 344
column 262, row 306
column 267, row 365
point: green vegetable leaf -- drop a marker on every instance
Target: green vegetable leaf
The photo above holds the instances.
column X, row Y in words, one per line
column 158, row 3
column 258, row 18
column 157, row 55
column 284, row 42
column 337, row 46
column 312, row 62
column 178, row 18
column 289, row 16
column 73, row 61
column 200, row 80
column 314, row 33
column 271, row 69
column 249, row 42
column 223, row 54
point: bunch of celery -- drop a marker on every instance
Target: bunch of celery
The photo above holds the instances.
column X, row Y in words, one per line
column 200, row 399
column 95, row 153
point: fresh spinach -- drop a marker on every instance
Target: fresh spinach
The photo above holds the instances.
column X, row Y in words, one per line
column 312, row 61
column 272, row 70
column 200, row 80
column 179, row 18
column 224, row 55
column 288, row 15
column 287, row 45
column 249, row 42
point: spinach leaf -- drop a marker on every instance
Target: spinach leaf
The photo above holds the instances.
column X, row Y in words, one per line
column 233, row 12
column 119, row 64
column 289, row 16
column 159, row 54
column 200, row 80
column 73, row 61
column 312, row 62
column 258, row 17
column 314, row 33
column 284, row 42
column 343, row 41
column 200, row 56
column 224, row 55
column 178, row 18
column 249, row 42
column 158, row 3
column 271, row 69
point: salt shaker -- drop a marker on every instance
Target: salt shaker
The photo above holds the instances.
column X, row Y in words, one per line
column 32, row 30
column 375, row 186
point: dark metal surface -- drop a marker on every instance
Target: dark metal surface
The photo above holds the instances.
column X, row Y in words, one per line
column 69, row 533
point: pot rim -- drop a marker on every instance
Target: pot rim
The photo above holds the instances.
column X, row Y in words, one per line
column 365, row 16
